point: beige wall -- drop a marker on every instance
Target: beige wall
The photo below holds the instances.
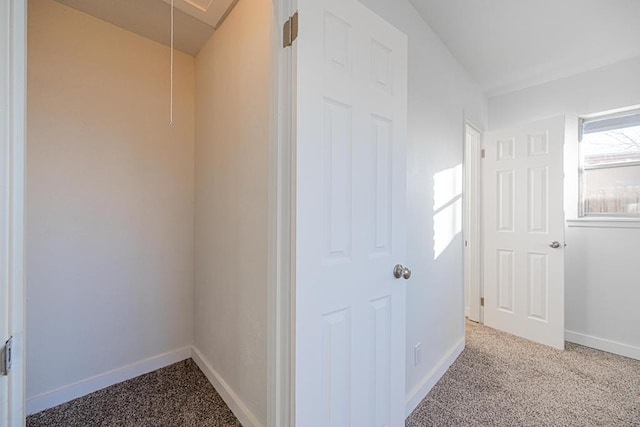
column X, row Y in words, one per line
column 232, row 131
column 110, row 199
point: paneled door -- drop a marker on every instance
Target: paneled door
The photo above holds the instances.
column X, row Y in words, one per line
column 351, row 113
column 523, row 183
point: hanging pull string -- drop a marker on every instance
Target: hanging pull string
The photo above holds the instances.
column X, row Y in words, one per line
column 171, row 90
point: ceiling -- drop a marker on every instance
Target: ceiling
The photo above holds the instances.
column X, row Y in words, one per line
column 505, row 45
column 510, row 44
column 194, row 20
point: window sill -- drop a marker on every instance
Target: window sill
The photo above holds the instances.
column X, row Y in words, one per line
column 604, row 222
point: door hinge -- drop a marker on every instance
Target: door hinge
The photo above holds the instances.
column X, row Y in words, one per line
column 5, row 357
column 482, row 302
column 483, row 153
column 290, row 31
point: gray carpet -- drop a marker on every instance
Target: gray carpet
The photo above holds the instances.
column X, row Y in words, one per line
column 179, row 395
column 502, row 380
column 499, row 380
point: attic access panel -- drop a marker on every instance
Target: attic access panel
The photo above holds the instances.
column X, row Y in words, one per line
column 212, row 12
column 195, row 20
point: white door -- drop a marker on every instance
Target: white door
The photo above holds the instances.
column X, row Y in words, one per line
column 350, row 216
column 524, row 231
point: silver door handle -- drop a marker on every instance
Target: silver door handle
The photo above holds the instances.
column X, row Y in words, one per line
column 555, row 244
column 400, row 271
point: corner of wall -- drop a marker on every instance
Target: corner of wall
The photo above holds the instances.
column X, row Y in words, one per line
column 603, row 344
column 89, row 385
column 233, row 401
column 420, row 391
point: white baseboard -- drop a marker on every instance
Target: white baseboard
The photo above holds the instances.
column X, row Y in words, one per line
column 82, row 388
column 420, row 391
column 603, row 344
column 239, row 409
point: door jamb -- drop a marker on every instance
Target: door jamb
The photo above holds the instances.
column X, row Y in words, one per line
column 13, row 143
column 281, row 222
column 472, row 229
column 281, row 250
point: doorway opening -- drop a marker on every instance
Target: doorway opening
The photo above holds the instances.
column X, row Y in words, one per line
column 472, row 229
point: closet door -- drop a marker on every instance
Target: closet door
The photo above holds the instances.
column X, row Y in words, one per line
column 351, row 120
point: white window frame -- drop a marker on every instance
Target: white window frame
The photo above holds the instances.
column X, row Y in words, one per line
column 581, row 168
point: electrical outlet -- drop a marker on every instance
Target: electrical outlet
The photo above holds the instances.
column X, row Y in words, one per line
column 417, row 354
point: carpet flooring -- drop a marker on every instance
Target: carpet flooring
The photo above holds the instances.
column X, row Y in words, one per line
column 498, row 380
column 176, row 396
column 502, row 380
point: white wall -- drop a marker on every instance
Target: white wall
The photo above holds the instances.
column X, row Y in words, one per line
column 603, row 289
column 440, row 93
column 601, row 263
column 232, row 147
column 603, row 89
column 110, row 198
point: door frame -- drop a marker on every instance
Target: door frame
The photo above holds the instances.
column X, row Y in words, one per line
column 472, row 223
column 281, row 240
column 13, row 141
column 281, row 248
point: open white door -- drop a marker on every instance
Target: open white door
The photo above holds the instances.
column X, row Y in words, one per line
column 523, row 217
column 351, row 108
column 12, row 167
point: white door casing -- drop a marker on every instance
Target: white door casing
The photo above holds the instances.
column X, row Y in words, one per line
column 523, row 182
column 351, row 112
column 4, row 201
column 281, row 305
column 472, row 271
column 279, row 331
column 13, row 25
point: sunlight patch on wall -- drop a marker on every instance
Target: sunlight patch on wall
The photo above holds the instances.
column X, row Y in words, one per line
column 447, row 208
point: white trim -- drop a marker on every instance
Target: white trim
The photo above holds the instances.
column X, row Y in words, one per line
column 609, row 346
column 610, row 165
column 593, row 222
column 5, row 179
column 13, row 47
column 472, row 223
column 233, row 401
column 420, row 391
column 280, row 361
column 82, row 388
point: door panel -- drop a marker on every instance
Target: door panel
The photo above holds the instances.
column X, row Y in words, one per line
column 523, row 183
column 351, row 106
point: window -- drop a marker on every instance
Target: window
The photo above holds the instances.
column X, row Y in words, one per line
column 610, row 165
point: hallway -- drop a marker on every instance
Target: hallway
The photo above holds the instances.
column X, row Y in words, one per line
column 502, row 380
